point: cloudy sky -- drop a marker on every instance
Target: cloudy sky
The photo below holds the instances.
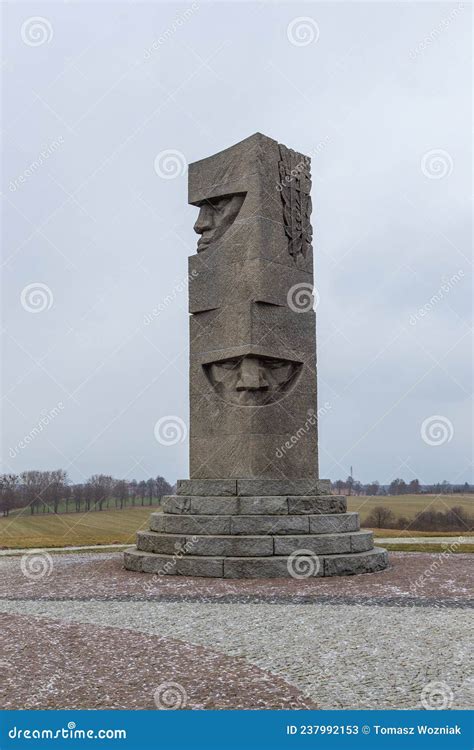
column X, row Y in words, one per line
column 97, row 232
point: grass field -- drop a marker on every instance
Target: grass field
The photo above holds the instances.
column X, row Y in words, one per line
column 73, row 529
column 119, row 526
column 409, row 505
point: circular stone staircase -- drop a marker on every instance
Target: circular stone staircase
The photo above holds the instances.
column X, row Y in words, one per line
column 273, row 536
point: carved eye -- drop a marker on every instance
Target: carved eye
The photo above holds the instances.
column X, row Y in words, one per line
column 228, row 364
column 220, row 205
column 275, row 364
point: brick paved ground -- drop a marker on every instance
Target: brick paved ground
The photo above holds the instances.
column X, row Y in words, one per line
column 78, row 631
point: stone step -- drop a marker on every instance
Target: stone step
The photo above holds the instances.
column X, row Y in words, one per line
column 255, row 505
column 227, row 546
column 169, row 523
column 324, row 544
column 221, row 487
column 256, row 567
column 252, row 546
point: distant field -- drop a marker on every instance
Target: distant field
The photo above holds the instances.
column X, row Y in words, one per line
column 120, row 526
column 410, row 505
column 73, row 529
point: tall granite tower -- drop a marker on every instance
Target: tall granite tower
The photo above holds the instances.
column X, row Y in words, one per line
column 254, row 506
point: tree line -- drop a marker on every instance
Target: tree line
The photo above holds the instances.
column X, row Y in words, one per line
column 453, row 519
column 52, row 492
column 350, row 486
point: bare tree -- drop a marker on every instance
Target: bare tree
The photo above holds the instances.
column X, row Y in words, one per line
column 150, row 489
column 31, row 483
column 54, row 489
column 142, row 491
column 133, row 490
column 8, row 492
column 121, row 492
column 373, row 488
column 162, row 487
column 102, row 485
column 380, row 518
column 397, row 487
column 77, row 495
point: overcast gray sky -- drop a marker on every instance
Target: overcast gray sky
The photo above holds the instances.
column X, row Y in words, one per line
column 96, row 239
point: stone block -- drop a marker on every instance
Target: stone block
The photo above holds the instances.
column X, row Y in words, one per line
column 252, row 456
column 273, row 486
column 362, row 541
column 357, row 562
column 186, row 524
column 212, row 487
column 203, row 567
column 333, row 523
column 165, row 544
column 132, row 560
column 275, row 524
column 176, row 504
column 157, row 522
column 212, row 287
column 271, row 567
column 206, row 506
column 326, row 544
column 249, row 506
column 160, row 565
column 232, row 546
column 213, row 417
column 317, row 504
column 253, row 167
column 147, row 562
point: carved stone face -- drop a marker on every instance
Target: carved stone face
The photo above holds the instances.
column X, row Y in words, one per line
column 216, row 215
column 252, row 380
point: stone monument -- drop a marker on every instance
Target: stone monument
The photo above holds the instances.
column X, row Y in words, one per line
column 254, row 505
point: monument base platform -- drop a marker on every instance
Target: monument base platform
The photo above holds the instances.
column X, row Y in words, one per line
column 244, row 536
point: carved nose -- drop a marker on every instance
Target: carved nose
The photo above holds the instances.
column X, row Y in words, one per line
column 251, row 377
column 205, row 220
